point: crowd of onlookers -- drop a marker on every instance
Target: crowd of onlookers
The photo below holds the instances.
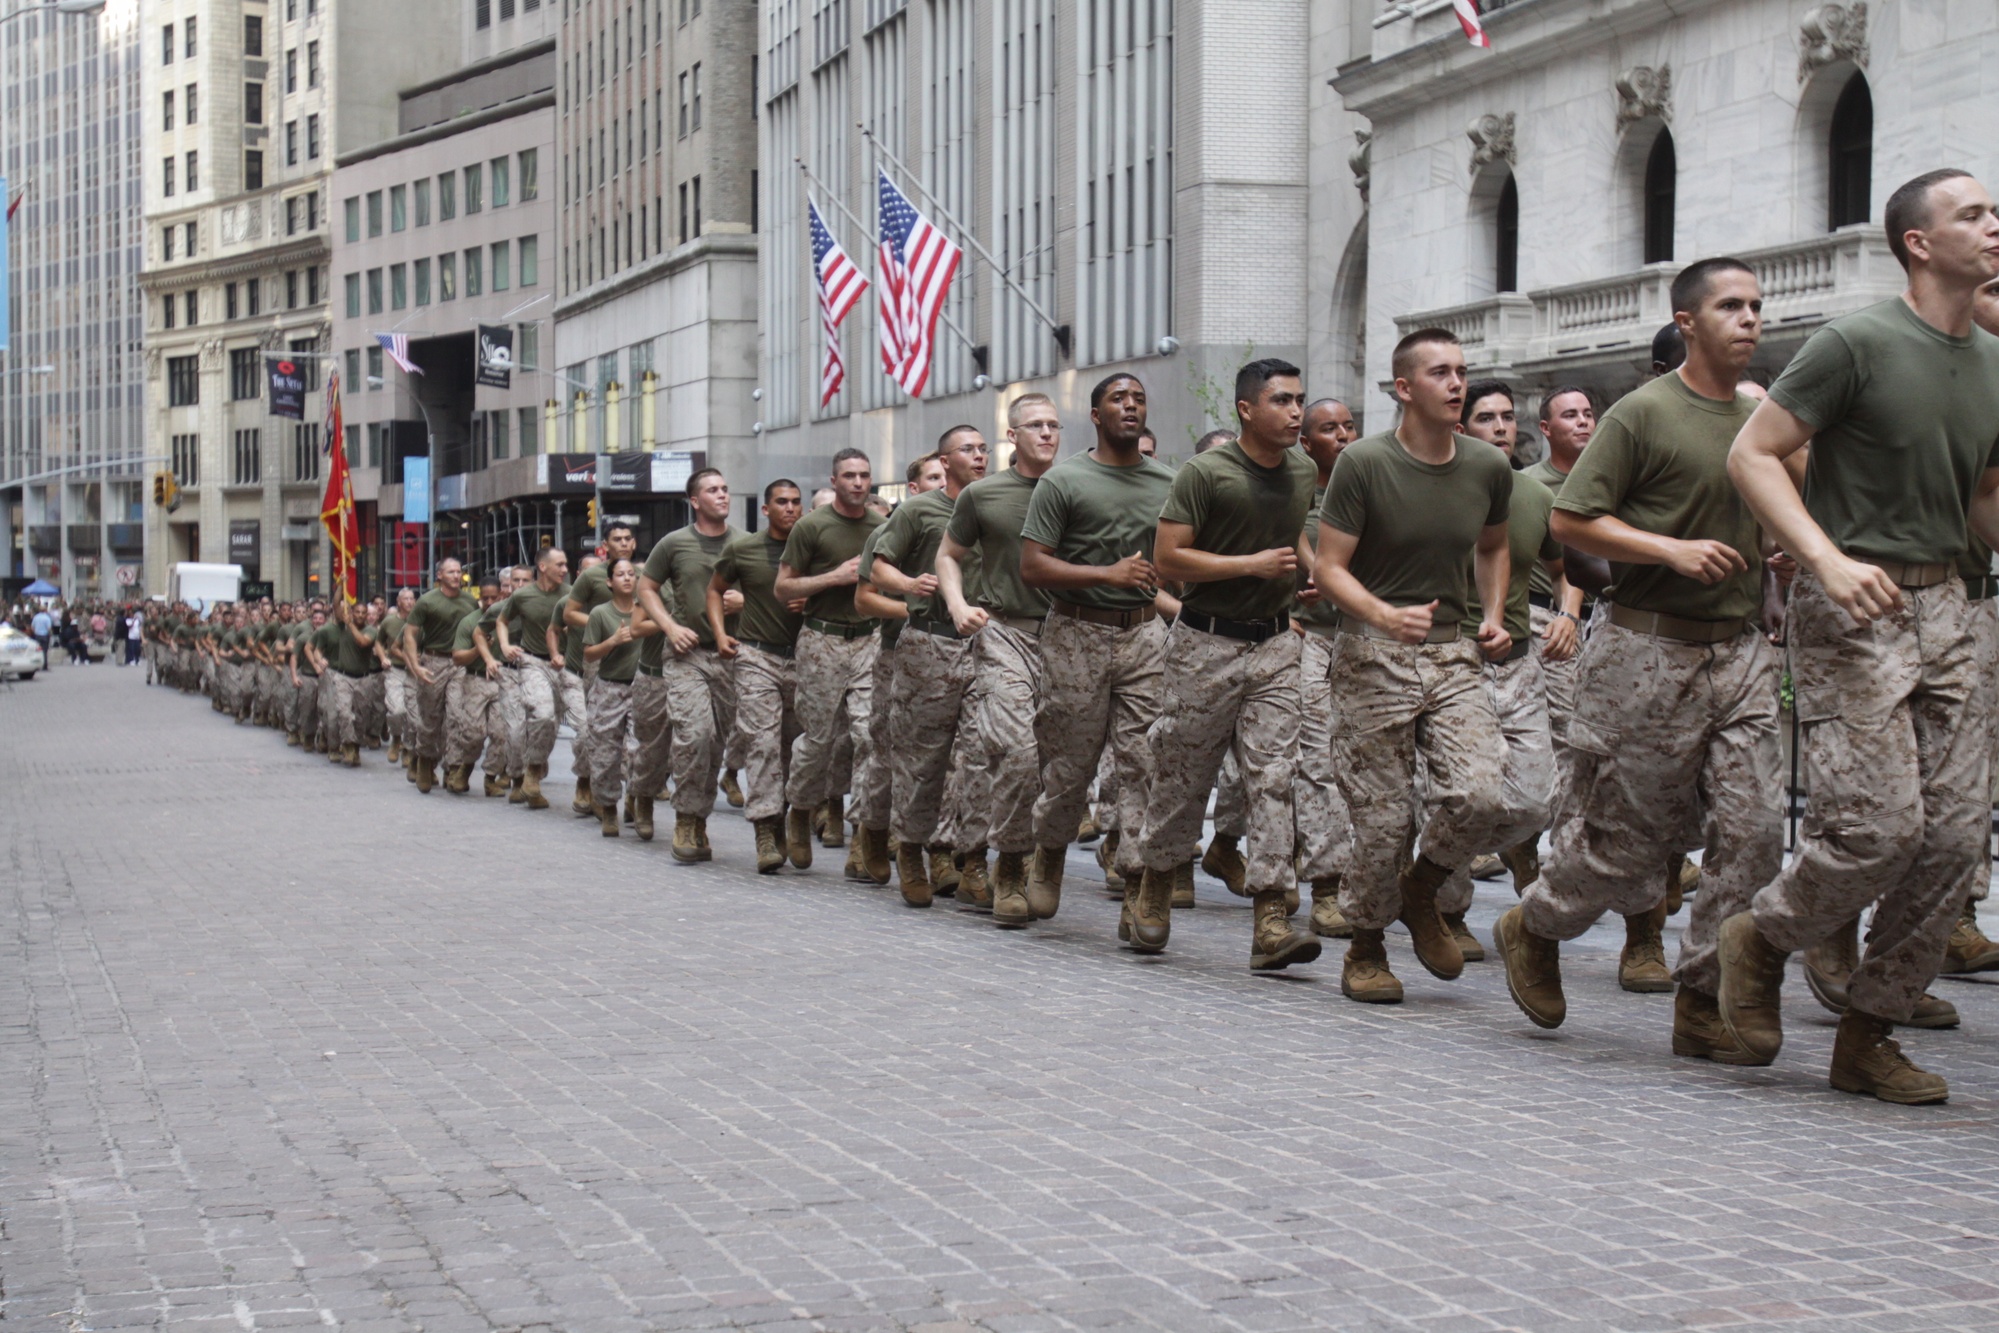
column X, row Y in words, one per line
column 85, row 631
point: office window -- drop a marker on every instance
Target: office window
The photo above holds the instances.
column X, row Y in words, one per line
column 246, row 459
column 683, row 105
column 530, row 169
column 374, row 213
column 291, row 288
column 447, row 197
column 697, row 205
column 496, row 177
column 354, row 455
column 291, row 11
column 399, row 288
column 308, row 365
column 291, row 143
column 497, row 431
column 167, row 109
column 253, row 169
column 527, row 350
column 253, row 35
column 530, row 260
column 312, row 64
column 253, row 103
column 353, row 369
column 187, row 459
column 167, row 44
column 473, row 193
column 169, row 311
column 167, row 177
column 683, row 215
column 291, row 71
column 375, row 367
column 398, row 208
column 530, row 431
column 189, row 50
column 312, row 136
column 191, row 308
column 420, row 271
column 352, row 207
column 253, row 292
column 374, row 291
column 474, row 283
column 190, row 102
column 166, row 244
column 194, row 170
column 243, row 373
column 447, row 277
column 420, row 196
column 502, row 265
column 187, row 239
column 482, row 13
column 374, row 442
column 312, row 284
column 229, row 300
column 183, row 381
column 291, row 215
column 697, row 94
column 305, row 450
column 312, row 211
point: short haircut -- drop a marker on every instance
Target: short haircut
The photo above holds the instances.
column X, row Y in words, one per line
column 444, row 560
column 1548, row 399
column 700, row 475
column 1104, row 386
column 1318, row 403
column 1405, row 351
column 846, row 454
column 916, row 466
column 1249, row 381
column 1691, row 287
column 1018, row 407
column 959, row 429
column 1478, row 389
column 780, row 484
column 1908, row 209
column 490, row 581
column 1214, row 439
column 613, row 525
column 1669, row 348
column 624, row 560
column 549, row 553
column 521, row 569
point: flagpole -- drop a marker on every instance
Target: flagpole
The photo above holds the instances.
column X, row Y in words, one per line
column 1059, row 330
column 862, row 228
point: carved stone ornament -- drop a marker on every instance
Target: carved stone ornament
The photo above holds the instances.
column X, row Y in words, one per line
column 1491, row 140
column 1359, row 161
column 1829, row 33
column 1644, row 92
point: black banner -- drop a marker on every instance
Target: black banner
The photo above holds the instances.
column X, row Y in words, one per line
column 572, row 474
column 496, row 356
column 287, row 379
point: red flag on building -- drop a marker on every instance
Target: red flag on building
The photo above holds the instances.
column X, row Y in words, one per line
column 1469, row 20
column 336, row 510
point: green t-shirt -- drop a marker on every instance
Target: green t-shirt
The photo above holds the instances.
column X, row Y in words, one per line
column 1417, row 522
column 1091, row 513
column 1528, row 542
column 1548, row 475
column 1659, row 461
column 910, row 540
column 326, row 640
column 749, row 564
column 461, row 642
column 681, row 564
column 1237, row 506
column 302, row 634
column 353, row 658
column 591, row 590
column 527, row 614
column 891, row 630
column 621, row 663
column 1321, row 612
column 822, row 541
column 1976, row 561
column 391, row 638
column 987, row 521
column 1904, row 418
column 435, row 616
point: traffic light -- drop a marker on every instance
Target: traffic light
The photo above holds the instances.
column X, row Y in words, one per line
column 166, row 491
column 160, row 488
column 590, row 515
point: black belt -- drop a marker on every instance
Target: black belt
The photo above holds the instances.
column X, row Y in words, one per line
column 774, row 649
column 1979, row 588
column 653, row 671
column 1249, row 631
column 943, row 629
column 601, row 678
column 1542, row 600
column 351, row 675
column 1520, row 649
column 840, row 629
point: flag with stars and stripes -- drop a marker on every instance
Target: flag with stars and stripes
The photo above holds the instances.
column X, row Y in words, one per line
column 917, row 263
column 840, row 286
column 397, row 345
column 1468, row 19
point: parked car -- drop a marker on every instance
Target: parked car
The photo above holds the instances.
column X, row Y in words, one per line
column 20, row 656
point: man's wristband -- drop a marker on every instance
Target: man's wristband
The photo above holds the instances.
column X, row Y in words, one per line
column 1570, row 618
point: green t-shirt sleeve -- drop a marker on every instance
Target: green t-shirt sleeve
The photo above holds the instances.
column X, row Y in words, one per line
column 964, row 525
column 1819, row 384
column 1047, row 513
column 894, row 540
column 726, row 564
column 800, row 547
column 1501, row 506
column 1550, row 548
column 1604, row 474
column 1345, row 505
column 866, row 568
column 659, row 565
column 1189, row 497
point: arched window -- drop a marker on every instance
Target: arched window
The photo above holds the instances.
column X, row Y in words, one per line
column 1506, row 239
column 1850, row 162
column 1662, row 171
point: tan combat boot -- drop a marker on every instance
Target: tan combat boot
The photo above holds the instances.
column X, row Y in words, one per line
column 703, row 849
column 916, row 888
column 876, row 862
column 732, row 791
column 1044, row 882
column 395, row 754
column 1468, row 946
column 1274, row 944
column 532, row 786
column 1148, row 922
column 1524, row 860
column 1087, row 831
column 1699, row 1032
column 1364, row 975
column 1486, row 866
column 1183, row 885
column 1830, row 962
column 642, row 817
column 686, row 845
column 1327, row 919
column 1968, row 950
column 856, row 867
column 496, row 784
column 1641, row 968
column 426, row 774
column 1752, row 982
column 1225, row 863
column 517, row 790
column 833, row 833
column 1435, row 949
column 350, row 755
column 943, row 870
column 1866, row 1059
column 607, row 818
column 1011, row 909
column 581, row 802
column 975, row 892
column 410, row 762
column 1107, row 862
column 770, row 856
column 798, row 836
column 291, row 739
column 1533, row 969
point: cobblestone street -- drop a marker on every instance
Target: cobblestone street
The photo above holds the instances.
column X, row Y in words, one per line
column 283, row 1044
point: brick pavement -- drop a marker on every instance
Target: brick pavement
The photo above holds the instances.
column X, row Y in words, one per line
column 287, row 1045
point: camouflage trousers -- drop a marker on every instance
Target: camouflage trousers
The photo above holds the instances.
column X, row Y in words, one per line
column 431, row 701
column 340, row 708
column 1324, row 837
column 1520, row 699
column 229, row 686
column 1673, row 746
column 870, row 781
column 266, row 706
column 1898, row 805
column 1985, row 709
column 933, row 701
column 1008, row 662
column 767, row 724
column 1396, row 707
column 1560, row 680
column 469, row 705
column 373, row 717
column 284, row 701
column 650, row 761
column 573, row 706
column 610, row 719
column 1226, row 696
column 701, row 712
column 395, row 698
column 1101, row 686
column 510, row 718
column 305, row 707
column 836, row 681
column 539, row 684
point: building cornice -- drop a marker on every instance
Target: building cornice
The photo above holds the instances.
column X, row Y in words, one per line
column 717, row 245
column 448, row 128
column 464, row 73
column 311, row 249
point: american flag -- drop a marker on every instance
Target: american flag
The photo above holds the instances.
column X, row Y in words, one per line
column 917, row 263
column 1467, row 12
column 397, row 345
column 840, row 286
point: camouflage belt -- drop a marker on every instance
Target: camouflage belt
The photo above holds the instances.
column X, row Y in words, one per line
column 1677, row 628
column 1091, row 615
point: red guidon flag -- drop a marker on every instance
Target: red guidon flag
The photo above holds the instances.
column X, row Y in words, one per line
column 336, row 509
column 1467, row 12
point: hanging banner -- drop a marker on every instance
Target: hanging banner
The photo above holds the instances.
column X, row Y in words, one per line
column 7, row 203
column 496, row 356
column 287, row 379
column 416, row 489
